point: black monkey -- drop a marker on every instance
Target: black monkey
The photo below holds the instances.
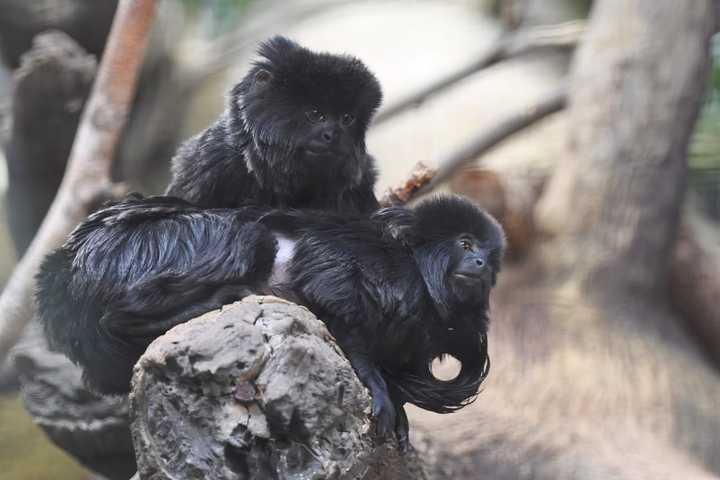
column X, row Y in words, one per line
column 293, row 135
column 397, row 290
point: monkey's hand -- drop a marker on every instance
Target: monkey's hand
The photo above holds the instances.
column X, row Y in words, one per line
column 402, row 428
column 383, row 409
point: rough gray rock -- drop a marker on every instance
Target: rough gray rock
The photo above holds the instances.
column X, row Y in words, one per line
column 257, row 390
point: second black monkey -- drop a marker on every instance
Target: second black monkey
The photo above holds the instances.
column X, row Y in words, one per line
column 396, row 290
column 293, row 135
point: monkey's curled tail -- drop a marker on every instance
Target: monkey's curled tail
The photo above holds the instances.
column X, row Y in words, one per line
column 426, row 391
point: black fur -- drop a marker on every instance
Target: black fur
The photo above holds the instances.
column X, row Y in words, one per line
column 396, row 290
column 257, row 151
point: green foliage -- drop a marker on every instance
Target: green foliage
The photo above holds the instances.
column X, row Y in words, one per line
column 222, row 15
column 25, row 451
column 705, row 147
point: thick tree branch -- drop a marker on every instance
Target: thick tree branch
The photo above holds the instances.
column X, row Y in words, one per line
column 88, row 171
column 258, row 389
column 565, row 35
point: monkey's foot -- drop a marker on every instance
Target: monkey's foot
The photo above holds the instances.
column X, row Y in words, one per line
column 402, row 430
column 384, row 412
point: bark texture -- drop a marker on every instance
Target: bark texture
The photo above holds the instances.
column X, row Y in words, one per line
column 637, row 88
column 258, row 389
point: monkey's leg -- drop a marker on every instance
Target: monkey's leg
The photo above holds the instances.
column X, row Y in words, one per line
column 130, row 324
column 159, row 295
column 382, row 406
column 402, row 427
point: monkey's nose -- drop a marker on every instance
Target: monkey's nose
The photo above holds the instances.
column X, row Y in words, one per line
column 480, row 262
column 327, row 136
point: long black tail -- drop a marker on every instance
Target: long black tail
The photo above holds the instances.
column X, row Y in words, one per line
column 426, row 391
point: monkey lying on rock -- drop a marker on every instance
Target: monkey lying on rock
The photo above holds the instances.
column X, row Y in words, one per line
column 397, row 289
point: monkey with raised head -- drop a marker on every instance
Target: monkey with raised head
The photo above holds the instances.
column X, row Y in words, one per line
column 292, row 135
column 397, row 289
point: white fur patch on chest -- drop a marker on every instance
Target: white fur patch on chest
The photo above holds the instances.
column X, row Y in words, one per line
column 285, row 252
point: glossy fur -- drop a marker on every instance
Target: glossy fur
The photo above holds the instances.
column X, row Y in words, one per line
column 387, row 287
column 266, row 148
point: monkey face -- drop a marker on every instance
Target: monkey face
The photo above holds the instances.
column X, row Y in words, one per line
column 470, row 272
column 308, row 112
column 458, row 248
column 329, row 136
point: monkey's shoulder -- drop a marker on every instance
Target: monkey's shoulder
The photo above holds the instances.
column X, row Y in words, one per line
column 356, row 264
column 211, row 170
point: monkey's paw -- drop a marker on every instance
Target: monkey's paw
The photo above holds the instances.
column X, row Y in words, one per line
column 383, row 411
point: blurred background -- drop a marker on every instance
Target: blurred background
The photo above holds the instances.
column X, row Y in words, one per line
column 606, row 328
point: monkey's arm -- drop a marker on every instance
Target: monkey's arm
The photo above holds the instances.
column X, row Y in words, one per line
column 361, row 198
column 355, row 347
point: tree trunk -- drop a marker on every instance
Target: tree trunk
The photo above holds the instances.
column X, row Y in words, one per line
column 594, row 376
column 615, row 200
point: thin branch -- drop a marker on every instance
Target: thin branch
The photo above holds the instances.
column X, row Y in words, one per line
column 423, row 179
column 88, row 170
column 565, row 35
column 419, row 176
column 551, row 103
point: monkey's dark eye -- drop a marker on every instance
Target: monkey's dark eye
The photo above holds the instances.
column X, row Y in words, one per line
column 347, row 120
column 315, row 116
column 466, row 244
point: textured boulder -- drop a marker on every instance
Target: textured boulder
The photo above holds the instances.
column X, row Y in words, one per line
column 257, row 390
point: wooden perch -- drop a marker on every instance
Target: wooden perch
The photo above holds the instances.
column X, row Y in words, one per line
column 258, row 389
column 88, row 173
column 565, row 35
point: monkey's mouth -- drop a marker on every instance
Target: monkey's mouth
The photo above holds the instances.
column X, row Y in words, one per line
column 326, row 152
column 470, row 277
column 317, row 152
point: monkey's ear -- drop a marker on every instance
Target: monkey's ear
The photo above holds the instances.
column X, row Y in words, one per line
column 262, row 77
column 398, row 223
